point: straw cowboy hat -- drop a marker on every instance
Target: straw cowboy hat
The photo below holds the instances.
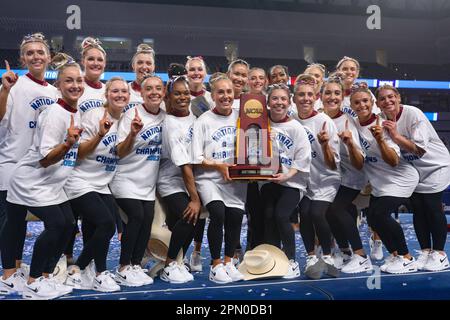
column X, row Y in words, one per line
column 264, row 261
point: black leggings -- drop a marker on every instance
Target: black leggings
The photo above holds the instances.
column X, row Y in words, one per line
column 279, row 202
column 58, row 222
column 182, row 231
column 87, row 230
column 389, row 230
column 221, row 216
column 429, row 220
column 136, row 233
column 313, row 220
column 20, row 229
column 199, row 230
column 342, row 220
column 255, row 216
column 100, row 211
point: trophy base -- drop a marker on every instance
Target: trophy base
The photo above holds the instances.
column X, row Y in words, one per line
column 246, row 172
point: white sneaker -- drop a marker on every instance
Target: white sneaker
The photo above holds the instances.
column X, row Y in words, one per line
column 218, row 274
column 340, row 258
column 314, row 267
column 318, row 251
column 357, row 264
column 185, row 272
column 172, row 273
column 142, row 275
column 195, row 261
column 436, row 262
column 330, row 268
column 402, row 265
column 128, row 277
column 232, row 272
column 24, row 270
column 387, row 261
column 422, row 258
column 105, row 282
column 59, row 273
column 78, row 279
column 41, row 289
column 293, row 270
column 14, row 283
column 376, row 249
column 61, row 288
column 91, row 270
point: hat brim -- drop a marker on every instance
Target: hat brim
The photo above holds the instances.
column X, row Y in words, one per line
column 279, row 270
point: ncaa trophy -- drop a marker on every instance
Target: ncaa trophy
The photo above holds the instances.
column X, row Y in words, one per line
column 254, row 159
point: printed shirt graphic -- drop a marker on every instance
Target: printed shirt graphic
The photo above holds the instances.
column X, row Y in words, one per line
column 323, row 182
column 434, row 165
column 176, row 151
column 398, row 181
column 92, row 98
column 214, row 139
column 137, row 172
column 33, row 185
column 96, row 171
column 26, row 100
column 350, row 176
column 292, row 145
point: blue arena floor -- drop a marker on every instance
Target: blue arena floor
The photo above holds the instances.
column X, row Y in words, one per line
column 365, row 286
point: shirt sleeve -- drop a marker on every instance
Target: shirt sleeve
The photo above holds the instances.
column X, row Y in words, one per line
column 198, row 137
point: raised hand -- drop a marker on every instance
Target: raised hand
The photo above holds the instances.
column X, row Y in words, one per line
column 323, row 135
column 346, row 135
column 391, row 127
column 73, row 133
column 9, row 78
column 136, row 123
column 377, row 129
column 104, row 125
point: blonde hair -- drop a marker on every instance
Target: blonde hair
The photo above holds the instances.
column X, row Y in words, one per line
column 304, row 80
column 91, row 43
column 145, row 49
column 218, row 76
column 319, row 66
column 34, row 37
column 61, row 62
column 197, row 58
column 386, row 87
column 344, row 59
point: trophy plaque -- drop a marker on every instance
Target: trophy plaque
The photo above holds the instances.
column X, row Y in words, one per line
column 253, row 150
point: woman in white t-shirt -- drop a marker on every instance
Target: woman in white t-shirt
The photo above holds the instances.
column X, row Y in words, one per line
column 324, row 178
column 22, row 99
column 37, row 185
column 90, row 197
column 176, row 183
column 282, row 193
column 196, row 73
column 213, row 152
column 238, row 74
column 340, row 213
column 392, row 178
column 421, row 146
column 139, row 139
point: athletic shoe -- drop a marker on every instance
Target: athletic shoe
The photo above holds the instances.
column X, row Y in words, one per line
column 24, row 270
column 142, row 274
column 59, row 273
column 41, row 289
column 195, row 261
column 91, row 270
column 422, row 258
column 318, row 251
column 14, row 283
column 105, row 282
column 436, row 262
column 387, row 261
column 185, row 272
column 314, row 267
column 218, row 274
column 357, row 264
column 376, row 249
column 293, row 270
column 62, row 289
column 402, row 265
column 128, row 277
column 172, row 273
column 232, row 272
column 78, row 279
column 340, row 258
column 330, row 268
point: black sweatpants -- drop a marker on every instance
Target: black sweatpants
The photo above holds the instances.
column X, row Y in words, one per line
column 221, row 217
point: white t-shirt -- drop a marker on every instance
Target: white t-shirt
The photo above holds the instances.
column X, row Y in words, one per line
column 318, row 105
column 33, row 185
column 208, row 98
column 92, row 98
column 214, row 139
column 176, row 151
column 95, row 172
column 26, row 100
column 137, row 172
column 135, row 97
column 236, row 104
column 292, row 145
column 350, row 176
column 398, row 181
column 324, row 182
column 434, row 165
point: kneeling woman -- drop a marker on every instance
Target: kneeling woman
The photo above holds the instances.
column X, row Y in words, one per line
column 37, row 184
column 283, row 193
